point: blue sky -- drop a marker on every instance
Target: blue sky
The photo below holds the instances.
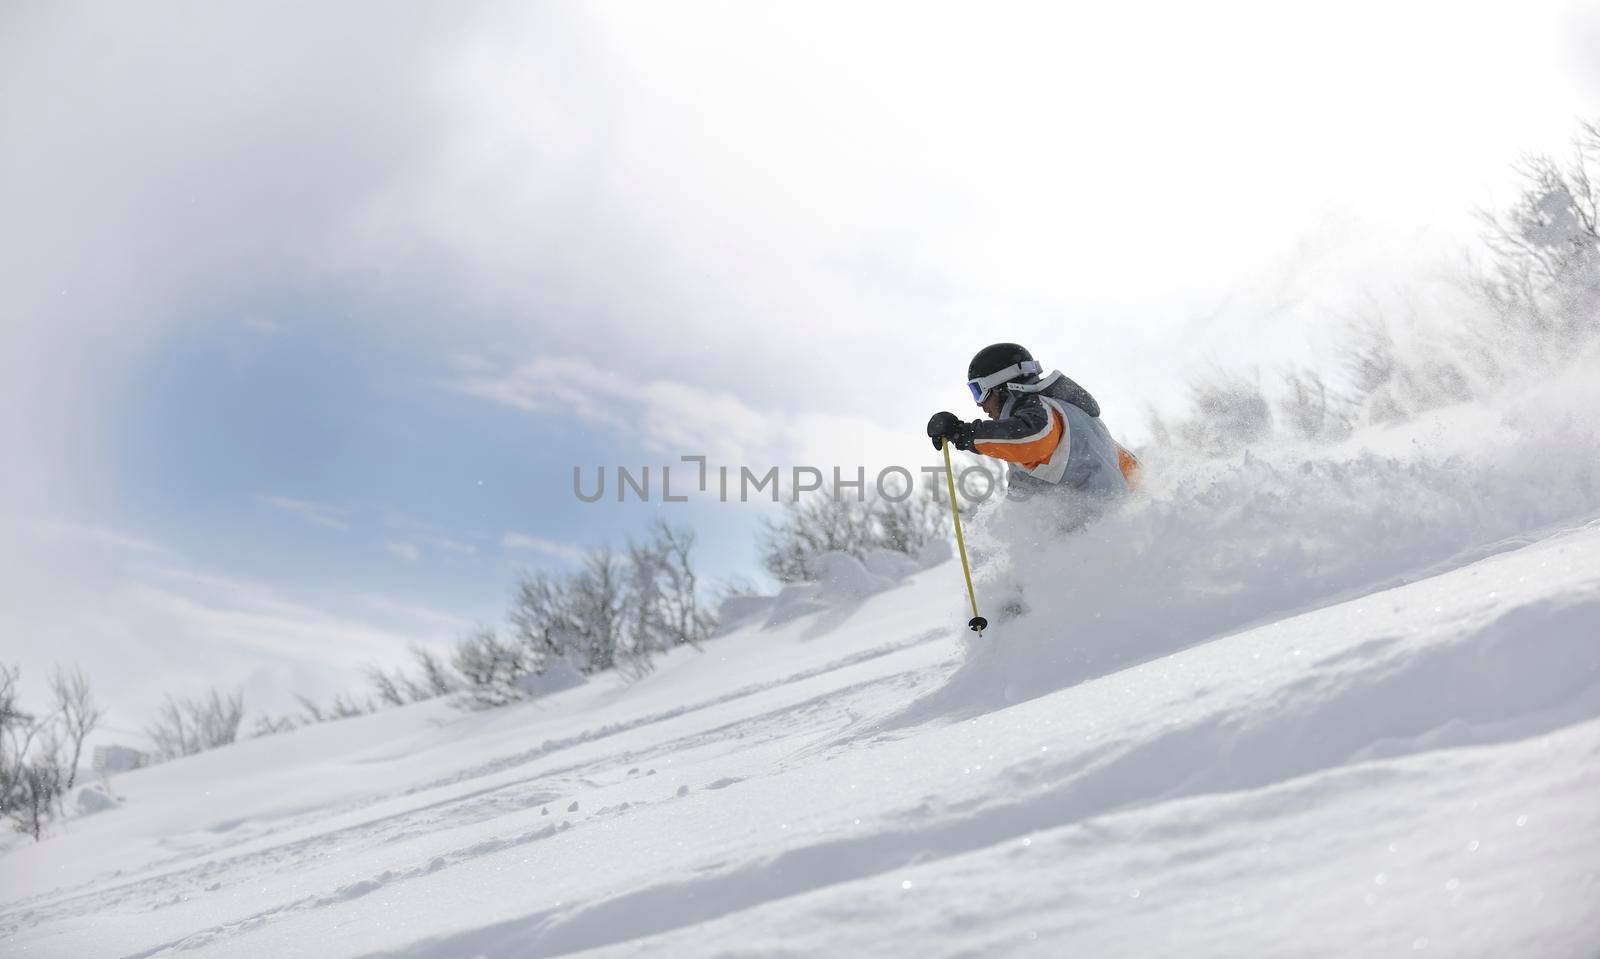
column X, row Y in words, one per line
column 310, row 312
column 336, row 461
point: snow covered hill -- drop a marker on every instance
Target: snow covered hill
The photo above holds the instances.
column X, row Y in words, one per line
column 1331, row 705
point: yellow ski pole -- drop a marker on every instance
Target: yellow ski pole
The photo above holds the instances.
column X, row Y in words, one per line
column 977, row 623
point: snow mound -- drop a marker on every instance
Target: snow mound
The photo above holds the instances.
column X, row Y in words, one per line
column 1210, row 548
column 792, row 602
column 95, row 798
column 842, row 580
column 891, row 565
column 558, row 675
column 736, row 611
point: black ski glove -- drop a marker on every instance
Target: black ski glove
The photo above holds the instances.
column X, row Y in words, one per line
column 944, row 426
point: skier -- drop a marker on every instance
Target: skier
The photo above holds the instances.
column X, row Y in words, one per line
column 1047, row 429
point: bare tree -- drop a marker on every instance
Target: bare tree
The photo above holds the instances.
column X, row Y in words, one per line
column 734, row 586
column 826, row 522
column 31, row 777
column 490, row 668
column 1231, row 413
column 386, row 686
column 18, row 728
column 39, row 790
column 44, row 782
column 644, row 625
column 615, row 612
column 1540, row 283
column 268, row 726
column 79, row 713
column 343, row 706
column 11, row 715
column 1311, row 409
column 219, row 717
column 171, row 732
column 820, row 523
column 436, row 678
column 314, row 712
column 908, row 520
column 1545, row 278
column 595, row 607
column 346, row 706
column 541, row 619
column 678, row 590
column 188, row 726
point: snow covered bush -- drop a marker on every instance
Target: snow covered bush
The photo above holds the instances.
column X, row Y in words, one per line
column 95, row 798
column 616, row 611
column 827, row 522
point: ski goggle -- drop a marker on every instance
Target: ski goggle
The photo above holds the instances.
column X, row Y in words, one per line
column 984, row 385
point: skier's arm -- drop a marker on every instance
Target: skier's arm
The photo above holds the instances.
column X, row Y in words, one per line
column 1028, row 436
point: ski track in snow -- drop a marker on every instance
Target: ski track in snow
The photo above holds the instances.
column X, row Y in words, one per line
column 1165, row 878
column 1342, row 691
column 480, row 805
column 1529, row 671
column 753, row 689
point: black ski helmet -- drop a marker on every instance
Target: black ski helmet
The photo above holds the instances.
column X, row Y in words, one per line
column 996, row 359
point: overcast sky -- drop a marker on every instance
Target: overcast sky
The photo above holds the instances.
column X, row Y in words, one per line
column 310, row 309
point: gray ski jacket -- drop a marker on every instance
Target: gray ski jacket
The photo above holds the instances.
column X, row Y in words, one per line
column 1050, row 435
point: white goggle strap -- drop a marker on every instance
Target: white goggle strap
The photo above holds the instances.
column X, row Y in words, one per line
column 987, row 383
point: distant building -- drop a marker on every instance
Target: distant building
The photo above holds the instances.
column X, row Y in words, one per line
column 118, row 759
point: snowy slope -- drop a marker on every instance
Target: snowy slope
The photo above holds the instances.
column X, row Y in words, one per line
column 1314, row 706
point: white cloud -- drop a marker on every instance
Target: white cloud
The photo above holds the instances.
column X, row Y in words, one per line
column 143, row 623
column 265, row 326
column 153, row 213
column 410, row 552
column 431, row 619
column 448, row 545
column 684, row 419
column 317, row 514
column 98, row 537
column 538, row 544
column 419, row 534
column 286, row 631
column 675, row 193
column 661, row 415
